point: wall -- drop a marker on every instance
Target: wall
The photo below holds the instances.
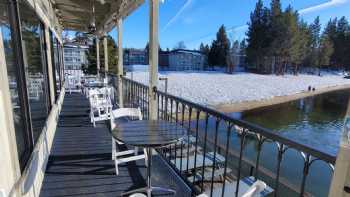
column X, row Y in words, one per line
column 12, row 181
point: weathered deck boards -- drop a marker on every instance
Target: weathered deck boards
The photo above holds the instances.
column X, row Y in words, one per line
column 80, row 162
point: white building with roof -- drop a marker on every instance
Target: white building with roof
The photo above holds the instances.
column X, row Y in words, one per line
column 75, row 56
column 182, row 59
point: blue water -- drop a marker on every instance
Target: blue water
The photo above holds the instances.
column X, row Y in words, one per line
column 315, row 121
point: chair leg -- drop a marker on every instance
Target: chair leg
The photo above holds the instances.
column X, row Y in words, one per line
column 113, row 149
column 146, row 157
column 116, row 166
column 136, row 151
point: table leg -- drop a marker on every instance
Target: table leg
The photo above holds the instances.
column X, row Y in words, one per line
column 149, row 166
column 148, row 189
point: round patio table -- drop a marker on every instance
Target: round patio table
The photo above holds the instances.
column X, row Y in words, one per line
column 94, row 85
column 149, row 134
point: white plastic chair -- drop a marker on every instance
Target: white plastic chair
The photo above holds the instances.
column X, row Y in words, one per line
column 100, row 106
column 125, row 113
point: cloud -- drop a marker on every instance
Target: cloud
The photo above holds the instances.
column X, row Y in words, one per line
column 182, row 9
column 321, row 6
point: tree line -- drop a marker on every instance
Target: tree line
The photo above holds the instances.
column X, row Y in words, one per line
column 279, row 39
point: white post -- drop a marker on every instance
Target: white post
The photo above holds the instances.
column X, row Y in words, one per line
column 341, row 176
column 98, row 55
column 105, row 46
column 120, row 62
column 153, row 58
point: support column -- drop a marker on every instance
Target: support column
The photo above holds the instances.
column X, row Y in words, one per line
column 120, row 62
column 105, row 47
column 153, row 59
column 340, row 186
column 98, row 56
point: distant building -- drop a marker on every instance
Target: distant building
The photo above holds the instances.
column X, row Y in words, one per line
column 75, row 56
column 135, row 57
column 182, row 59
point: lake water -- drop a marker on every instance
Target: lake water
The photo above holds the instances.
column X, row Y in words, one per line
column 316, row 121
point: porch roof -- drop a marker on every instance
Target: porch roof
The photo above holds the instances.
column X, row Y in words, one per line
column 79, row 15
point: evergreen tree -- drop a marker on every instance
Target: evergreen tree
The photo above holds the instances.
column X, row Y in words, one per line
column 279, row 46
column 315, row 29
column 219, row 49
column 112, row 58
column 258, row 35
column 342, row 32
column 242, row 48
column 180, row 45
column 331, row 31
column 325, row 51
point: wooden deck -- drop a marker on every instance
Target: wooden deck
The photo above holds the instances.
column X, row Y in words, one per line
column 80, row 161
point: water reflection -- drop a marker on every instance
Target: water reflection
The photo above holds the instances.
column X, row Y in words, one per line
column 315, row 121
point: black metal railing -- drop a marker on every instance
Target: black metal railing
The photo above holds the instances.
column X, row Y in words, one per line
column 221, row 150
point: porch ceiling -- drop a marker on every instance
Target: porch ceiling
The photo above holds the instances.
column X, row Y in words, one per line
column 77, row 14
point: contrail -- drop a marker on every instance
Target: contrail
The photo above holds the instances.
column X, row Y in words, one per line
column 330, row 3
column 182, row 9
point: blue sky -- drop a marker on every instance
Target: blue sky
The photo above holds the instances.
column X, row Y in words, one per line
column 196, row 21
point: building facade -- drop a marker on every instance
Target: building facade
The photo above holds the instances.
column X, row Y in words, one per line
column 75, row 57
column 181, row 59
column 135, row 57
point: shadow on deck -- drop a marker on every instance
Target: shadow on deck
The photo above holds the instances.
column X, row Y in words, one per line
column 80, row 161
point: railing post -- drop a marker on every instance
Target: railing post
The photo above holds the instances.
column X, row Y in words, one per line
column 105, row 47
column 340, row 185
column 120, row 62
column 153, row 59
column 98, row 56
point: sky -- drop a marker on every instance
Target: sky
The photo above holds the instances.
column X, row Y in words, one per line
column 196, row 21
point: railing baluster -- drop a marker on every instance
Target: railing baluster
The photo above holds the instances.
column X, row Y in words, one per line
column 214, row 157
column 204, row 148
column 196, row 146
column 281, row 150
column 158, row 100
column 182, row 123
column 259, row 148
column 188, row 137
column 229, row 128
column 242, row 141
column 307, row 164
column 176, row 120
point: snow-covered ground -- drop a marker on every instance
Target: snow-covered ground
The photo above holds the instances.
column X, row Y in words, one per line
column 214, row 88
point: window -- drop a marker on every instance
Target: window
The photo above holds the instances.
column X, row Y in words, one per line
column 22, row 132
column 35, row 67
column 55, row 64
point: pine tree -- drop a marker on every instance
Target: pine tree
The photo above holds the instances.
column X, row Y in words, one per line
column 242, row 48
column 314, row 29
column 326, row 50
column 331, row 31
column 219, row 49
column 258, row 36
column 279, row 45
column 112, row 58
column 342, row 33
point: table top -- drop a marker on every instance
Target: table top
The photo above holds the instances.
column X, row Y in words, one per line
column 148, row 133
column 94, row 85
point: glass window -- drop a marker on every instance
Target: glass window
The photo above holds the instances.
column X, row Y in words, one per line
column 23, row 137
column 55, row 64
column 35, row 66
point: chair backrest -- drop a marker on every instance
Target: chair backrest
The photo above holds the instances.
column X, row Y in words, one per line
column 255, row 189
column 125, row 113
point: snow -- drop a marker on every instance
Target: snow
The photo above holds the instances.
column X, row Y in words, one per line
column 214, row 88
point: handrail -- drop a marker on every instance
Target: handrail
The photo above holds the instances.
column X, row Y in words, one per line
column 252, row 127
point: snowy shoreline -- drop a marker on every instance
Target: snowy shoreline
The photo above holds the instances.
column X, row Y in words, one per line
column 216, row 88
